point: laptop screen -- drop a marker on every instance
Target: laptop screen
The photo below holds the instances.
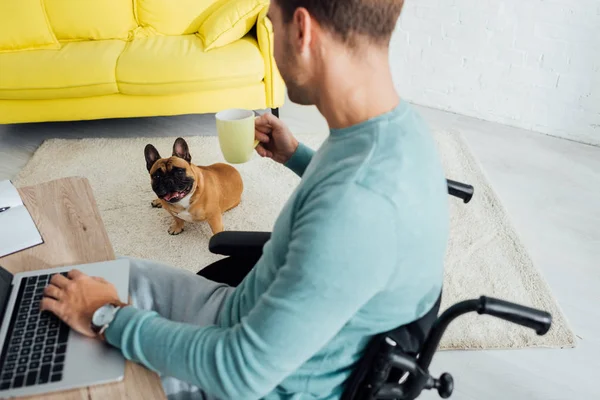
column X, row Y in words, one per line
column 5, row 287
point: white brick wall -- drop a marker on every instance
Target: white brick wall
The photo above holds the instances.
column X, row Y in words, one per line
column 534, row 64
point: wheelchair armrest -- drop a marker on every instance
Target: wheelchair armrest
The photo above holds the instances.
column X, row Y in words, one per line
column 238, row 243
column 538, row 320
column 460, row 190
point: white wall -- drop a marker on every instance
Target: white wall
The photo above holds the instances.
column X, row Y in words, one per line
column 534, row 64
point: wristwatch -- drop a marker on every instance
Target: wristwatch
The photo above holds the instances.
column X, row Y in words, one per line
column 103, row 317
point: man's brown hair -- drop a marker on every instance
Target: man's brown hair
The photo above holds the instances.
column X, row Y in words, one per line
column 372, row 19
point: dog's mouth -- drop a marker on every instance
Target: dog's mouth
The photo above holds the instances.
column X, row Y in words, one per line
column 174, row 197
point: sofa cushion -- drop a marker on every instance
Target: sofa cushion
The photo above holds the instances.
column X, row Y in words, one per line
column 91, row 19
column 78, row 69
column 231, row 21
column 161, row 65
column 173, row 17
column 24, row 26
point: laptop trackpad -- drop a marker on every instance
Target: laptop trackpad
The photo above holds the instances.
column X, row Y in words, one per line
column 91, row 361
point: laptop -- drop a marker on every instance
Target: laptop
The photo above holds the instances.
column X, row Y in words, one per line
column 40, row 353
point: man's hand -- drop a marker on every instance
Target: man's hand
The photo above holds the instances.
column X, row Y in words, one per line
column 276, row 140
column 75, row 299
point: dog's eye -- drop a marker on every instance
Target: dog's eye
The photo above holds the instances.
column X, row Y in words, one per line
column 156, row 176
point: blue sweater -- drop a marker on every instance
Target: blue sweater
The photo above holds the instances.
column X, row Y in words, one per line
column 357, row 250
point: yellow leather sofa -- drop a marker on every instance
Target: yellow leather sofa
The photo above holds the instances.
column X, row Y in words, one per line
column 129, row 58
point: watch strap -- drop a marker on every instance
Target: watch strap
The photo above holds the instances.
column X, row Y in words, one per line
column 104, row 328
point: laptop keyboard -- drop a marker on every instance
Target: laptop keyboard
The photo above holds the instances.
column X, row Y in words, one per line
column 35, row 347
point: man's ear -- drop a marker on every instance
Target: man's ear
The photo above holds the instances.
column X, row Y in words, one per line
column 151, row 155
column 181, row 150
column 303, row 25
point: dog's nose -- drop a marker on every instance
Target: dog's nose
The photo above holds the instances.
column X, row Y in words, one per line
column 165, row 184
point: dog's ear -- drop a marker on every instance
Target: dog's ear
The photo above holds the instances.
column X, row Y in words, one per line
column 181, row 150
column 151, row 155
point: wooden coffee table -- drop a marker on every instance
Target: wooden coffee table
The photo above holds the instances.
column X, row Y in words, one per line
column 66, row 214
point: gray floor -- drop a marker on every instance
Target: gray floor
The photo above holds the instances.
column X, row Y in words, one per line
column 551, row 189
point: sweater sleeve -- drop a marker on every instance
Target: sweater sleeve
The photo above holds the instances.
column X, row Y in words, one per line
column 336, row 261
column 300, row 159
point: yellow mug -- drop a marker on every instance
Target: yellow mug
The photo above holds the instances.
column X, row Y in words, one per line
column 236, row 134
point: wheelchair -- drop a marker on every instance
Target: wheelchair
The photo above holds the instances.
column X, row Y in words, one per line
column 395, row 364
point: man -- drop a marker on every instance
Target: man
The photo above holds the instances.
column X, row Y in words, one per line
column 357, row 250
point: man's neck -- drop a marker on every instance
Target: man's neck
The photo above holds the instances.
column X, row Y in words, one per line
column 355, row 90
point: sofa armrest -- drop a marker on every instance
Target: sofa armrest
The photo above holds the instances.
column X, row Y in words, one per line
column 274, row 85
column 238, row 243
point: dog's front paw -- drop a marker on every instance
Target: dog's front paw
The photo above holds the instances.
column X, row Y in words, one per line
column 156, row 203
column 175, row 230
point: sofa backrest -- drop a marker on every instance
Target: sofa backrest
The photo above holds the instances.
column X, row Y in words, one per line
column 91, row 19
column 73, row 20
column 174, row 17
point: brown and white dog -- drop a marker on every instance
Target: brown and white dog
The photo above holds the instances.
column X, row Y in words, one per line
column 191, row 193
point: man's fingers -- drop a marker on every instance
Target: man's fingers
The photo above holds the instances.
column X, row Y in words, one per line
column 51, row 305
column 262, row 137
column 53, row 292
column 263, row 152
column 263, row 128
column 75, row 274
column 99, row 279
column 267, row 120
column 59, row 281
column 271, row 119
column 262, row 122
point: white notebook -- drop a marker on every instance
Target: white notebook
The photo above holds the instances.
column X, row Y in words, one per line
column 17, row 229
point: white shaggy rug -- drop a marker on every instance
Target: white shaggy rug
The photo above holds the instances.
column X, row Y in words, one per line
column 485, row 255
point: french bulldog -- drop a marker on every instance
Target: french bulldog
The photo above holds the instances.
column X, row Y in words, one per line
column 192, row 193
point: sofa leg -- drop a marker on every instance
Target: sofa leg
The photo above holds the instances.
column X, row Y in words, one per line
column 275, row 112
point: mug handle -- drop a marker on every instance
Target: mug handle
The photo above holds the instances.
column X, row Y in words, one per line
column 256, row 141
